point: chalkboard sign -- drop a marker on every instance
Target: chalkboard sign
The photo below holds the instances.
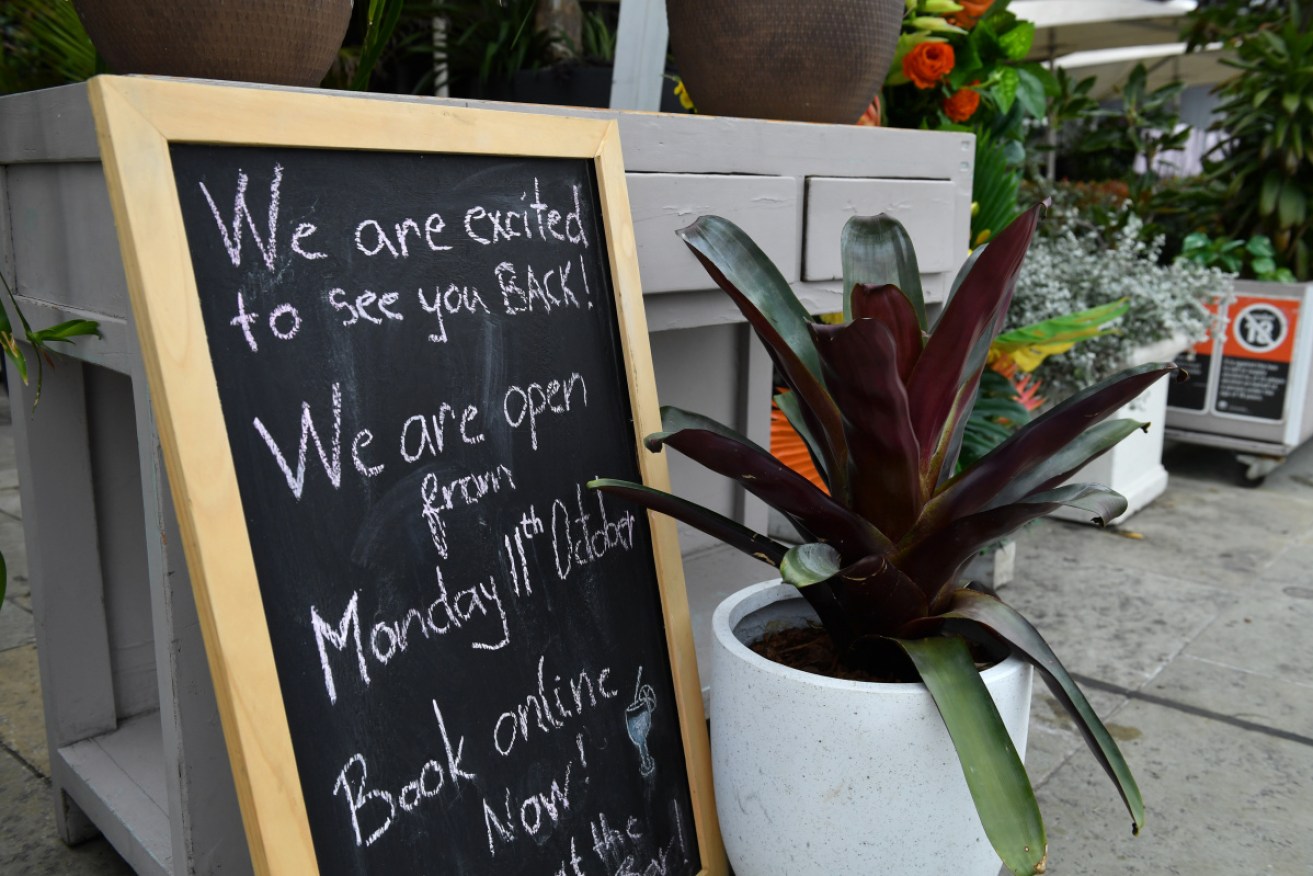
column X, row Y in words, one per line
column 388, row 345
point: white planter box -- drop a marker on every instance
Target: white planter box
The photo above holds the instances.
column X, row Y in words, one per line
column 1134, row 467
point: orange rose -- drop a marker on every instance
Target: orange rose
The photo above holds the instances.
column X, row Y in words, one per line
column 962, row 104
column 927, row 63
column 972, row 10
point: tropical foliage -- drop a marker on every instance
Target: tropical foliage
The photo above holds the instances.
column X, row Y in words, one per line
column 1009, row 393
column 1259, row 178
column 1093, row 253
column 962, row 66
column 1255, row 257
column 1102, row 142
column 43, row 43
column 882, row 402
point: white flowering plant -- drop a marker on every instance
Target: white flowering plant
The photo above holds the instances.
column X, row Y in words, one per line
column 1078, row 265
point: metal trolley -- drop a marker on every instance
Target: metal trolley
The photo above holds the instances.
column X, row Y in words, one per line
column 1249, row 380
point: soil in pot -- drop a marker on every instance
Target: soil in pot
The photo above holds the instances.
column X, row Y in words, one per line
column 810, row 649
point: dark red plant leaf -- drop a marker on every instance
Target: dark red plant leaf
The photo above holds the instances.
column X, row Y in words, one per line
column 731, row 532
column 887, row 305
column 878, row 598
column 819, row 517
column 936, row 561
column 953, row 355
column 860, row 362
column 1061, row 466
column 765, row 299
column 1032, row 445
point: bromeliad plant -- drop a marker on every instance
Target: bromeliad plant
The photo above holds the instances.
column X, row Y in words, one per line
column 882, row 402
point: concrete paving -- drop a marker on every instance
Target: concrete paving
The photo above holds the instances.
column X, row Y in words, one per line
column 29, row 845
column 1188, row 627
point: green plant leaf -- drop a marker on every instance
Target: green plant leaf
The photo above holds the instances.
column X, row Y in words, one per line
column 1003, row 623
column 933, row 24
column 1030, row 93
column 1005, row 88
column 731, row 532
column 66, row 331
column 15, row 354
column 877, row 250
column 994, row 773
column 381, row 20
column 994, row 187
column 809, row 564
column 1291, row 206
column 1016, row 42
column 1267, row 196
column 1059, row 329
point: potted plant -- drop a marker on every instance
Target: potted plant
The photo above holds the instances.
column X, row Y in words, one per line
column 806, row 769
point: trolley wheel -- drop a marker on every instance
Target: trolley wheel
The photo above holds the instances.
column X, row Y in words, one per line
column 1252, row 469
column 1244, row 480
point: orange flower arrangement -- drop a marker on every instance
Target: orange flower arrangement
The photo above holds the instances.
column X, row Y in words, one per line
column 927, row 63
column 962, row 104
column 972, row 10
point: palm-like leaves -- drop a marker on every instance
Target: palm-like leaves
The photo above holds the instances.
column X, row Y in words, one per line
column 882, row 405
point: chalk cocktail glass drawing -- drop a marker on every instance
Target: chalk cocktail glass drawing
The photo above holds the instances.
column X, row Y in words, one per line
column 638, row 721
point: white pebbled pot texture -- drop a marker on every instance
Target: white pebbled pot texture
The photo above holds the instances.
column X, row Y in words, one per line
column 829, row 777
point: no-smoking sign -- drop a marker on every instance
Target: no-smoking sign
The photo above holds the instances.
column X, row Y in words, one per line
column 1255, row 371
column 1262, row 328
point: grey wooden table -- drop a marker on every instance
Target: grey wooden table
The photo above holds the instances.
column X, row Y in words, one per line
column 135, row 744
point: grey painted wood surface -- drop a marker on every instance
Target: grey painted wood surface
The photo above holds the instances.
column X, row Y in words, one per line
column 640, row 55
column 768, row 208
column 129, row 701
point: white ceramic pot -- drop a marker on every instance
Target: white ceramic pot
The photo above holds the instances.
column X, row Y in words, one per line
column 822, row 776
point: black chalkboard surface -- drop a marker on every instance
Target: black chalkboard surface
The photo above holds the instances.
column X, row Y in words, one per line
column 387, row 343
column 419, row 367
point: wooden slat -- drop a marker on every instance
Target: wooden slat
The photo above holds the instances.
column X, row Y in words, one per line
column 921, row 205
column 117, row 778
column 766, row 207
column 48, row 125
column 622, row 251
column 199, row 460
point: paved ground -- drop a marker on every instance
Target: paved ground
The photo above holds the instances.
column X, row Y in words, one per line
column 1189, row 627
column 29, row 845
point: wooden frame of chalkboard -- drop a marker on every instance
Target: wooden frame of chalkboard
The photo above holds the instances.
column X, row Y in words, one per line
column 159, row 137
